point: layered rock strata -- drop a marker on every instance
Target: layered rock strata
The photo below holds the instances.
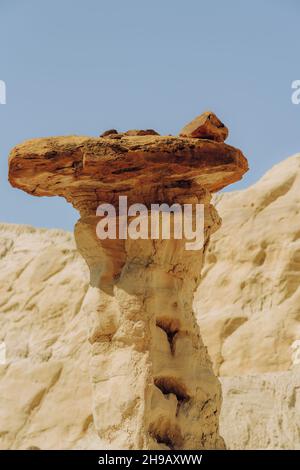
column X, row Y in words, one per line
column 153, row 384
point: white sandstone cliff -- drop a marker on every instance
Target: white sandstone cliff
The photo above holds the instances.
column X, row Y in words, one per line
column 248, row 311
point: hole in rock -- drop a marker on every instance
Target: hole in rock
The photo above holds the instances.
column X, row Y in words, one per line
column 170, row 327
column 169, row 385
column 164, row 432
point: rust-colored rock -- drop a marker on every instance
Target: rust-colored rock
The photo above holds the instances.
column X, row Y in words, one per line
column 153, row 383
column 148, row 169
column 206, row 126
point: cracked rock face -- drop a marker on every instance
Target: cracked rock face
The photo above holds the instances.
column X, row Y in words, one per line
column 147, row 169
column 262, row 411
column 257, row 328
column 153, row 384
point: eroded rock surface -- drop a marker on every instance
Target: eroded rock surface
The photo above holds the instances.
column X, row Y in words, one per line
column 43, row 290
column 88, row 171
column 146, row 344
column 248, row 300
column 45, row 392
column 153, row 384
column 262, row 411
column 206, row 126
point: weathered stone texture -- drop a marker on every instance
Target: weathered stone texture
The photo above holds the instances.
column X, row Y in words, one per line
column 152, row 379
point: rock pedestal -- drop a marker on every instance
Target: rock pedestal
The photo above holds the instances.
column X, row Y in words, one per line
column 153, row 384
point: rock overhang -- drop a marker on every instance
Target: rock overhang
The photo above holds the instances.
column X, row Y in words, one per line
column 130, row 281
column 101, row 168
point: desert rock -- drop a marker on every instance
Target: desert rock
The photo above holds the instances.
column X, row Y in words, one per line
column 248, row 300
column 109, row 132
column 165, row 393
column 43, row 289
column 206, row 126
column 141, row 132
column 262, row 411
column 43, row 326
column 45, row 393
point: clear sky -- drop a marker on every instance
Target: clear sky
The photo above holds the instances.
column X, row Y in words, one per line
column 84, row 66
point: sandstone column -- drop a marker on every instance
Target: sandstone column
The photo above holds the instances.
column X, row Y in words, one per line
column 153, row 384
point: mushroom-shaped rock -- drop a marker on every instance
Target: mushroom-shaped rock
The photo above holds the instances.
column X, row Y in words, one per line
column 148, row 169
column 153, row 383
column 206, row 126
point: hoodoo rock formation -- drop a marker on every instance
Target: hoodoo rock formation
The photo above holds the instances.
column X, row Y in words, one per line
column 153, row 383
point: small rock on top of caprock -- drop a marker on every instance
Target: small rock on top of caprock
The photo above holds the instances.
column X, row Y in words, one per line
column 109, row 132
column 205, row 126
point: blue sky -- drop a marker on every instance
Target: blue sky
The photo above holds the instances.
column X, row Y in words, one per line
column 81, row 67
